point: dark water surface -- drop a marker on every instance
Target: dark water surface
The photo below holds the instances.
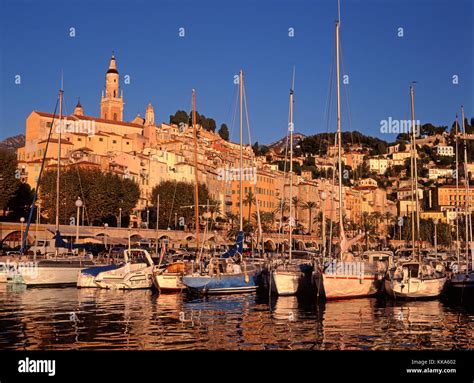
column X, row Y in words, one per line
column 70, row 318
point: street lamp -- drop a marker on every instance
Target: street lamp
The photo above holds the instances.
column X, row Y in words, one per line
column 22, row 221
column 78, row 205
column 323, row 195
column 175, row 221
column 120, row 217
column 106, row 225
column 147, row 218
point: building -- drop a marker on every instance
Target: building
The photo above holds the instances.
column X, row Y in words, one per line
column 445, row 150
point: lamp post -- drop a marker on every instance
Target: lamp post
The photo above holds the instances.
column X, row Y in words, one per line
column 147, row 218
column 120, row 217
column 78, row 205
column 323, row 197
column 22, row 221
column 106, row 225
column 175, row 221
column 129, row 233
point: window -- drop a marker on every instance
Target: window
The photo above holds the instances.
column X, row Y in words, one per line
column 114, row 141
column 115, row 116
column 128, row 143
column 101, row 139
column 79, row 139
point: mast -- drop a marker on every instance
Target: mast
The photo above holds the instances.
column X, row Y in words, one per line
column 196, row 184
column 415, row 168
column 339, row 147
column 291, row 129
column 457, row 192
column 468, row 196
column 58, row 167
column 241, row 80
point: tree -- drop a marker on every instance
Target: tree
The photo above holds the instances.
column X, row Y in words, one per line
column 103, row 194
column 9, row 183
column 310, row 205
column 21, row 201
column 249, row 200
column 224, row 132
column 180, row 117
column 178, row 198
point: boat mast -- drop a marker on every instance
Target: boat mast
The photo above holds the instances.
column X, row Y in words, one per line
column 457, row 192
column 291, row 129
column 58, row 167
column 241, row 226
column 415, row 169
column 468, row 196
column 339, row 147
column 196, row 184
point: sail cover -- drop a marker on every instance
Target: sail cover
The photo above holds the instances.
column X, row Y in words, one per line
column 59, row 242
column 237, row 247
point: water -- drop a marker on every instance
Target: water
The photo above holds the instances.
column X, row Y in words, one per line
column 70, row 318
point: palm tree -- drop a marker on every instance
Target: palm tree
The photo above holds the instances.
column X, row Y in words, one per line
column 296, row 205
column 310, row 205
column 388, row 219
column 249, row 200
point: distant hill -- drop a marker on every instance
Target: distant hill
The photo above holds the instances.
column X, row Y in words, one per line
column 279, row 145
column 13, row 143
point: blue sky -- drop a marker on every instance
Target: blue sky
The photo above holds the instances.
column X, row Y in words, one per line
column 223, row 36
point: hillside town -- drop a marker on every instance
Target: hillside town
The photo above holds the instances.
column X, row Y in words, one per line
column 376, row 179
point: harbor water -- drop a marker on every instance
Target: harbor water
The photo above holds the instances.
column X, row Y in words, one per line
column 94, row 319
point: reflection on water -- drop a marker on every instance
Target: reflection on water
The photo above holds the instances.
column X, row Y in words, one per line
column 70, row 318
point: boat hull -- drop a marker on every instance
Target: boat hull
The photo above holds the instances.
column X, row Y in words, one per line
column 87, row 278
column 50, row 276
column 128, row 277
column 350, row 286
column 223, row 284
column 169, row 282
column 415, row 288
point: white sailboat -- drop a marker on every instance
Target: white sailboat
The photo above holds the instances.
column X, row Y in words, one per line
column 136, row 273
column 348, row 276
column 415, row 278
column 290, row 276
column 57, row 270
column 462, row 282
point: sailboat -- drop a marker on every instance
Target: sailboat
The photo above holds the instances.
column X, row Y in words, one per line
column 54, row 271
column 461, row 283
column 229, row 273
column 290, row 276
column 415, row 278
column 348, row 276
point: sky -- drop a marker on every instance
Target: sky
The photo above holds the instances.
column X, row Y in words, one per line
column 221, row 37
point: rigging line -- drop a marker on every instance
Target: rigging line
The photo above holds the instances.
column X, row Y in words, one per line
column 234, row 116
column 38, row 182
column 252, row 154
column 328, row 108
column 282, row 200
column 172, row 203
column 346, row 92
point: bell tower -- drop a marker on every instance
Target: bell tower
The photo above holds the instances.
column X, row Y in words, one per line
column 111, row 104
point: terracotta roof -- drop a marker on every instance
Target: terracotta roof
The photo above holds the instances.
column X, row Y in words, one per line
column 55, row 140
column 89, row 118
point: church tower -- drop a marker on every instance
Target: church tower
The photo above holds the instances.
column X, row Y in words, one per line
column 78, row 110
column 111, row 104
column 150, row 115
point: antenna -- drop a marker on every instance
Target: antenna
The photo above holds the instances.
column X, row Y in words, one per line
column 293, row 79
column 339, row 11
